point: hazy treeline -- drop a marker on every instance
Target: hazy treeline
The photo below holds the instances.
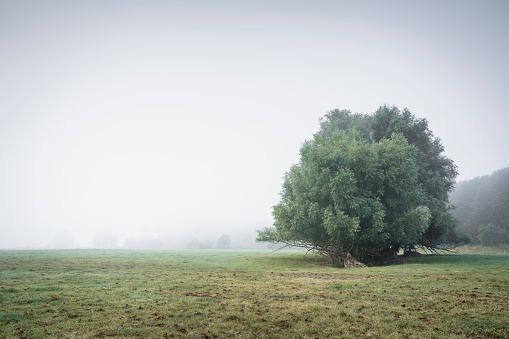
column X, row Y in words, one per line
column 64, row 239
column 222, row 242
column 482, row 207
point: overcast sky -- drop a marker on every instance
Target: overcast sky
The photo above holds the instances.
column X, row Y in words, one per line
column 177, row 119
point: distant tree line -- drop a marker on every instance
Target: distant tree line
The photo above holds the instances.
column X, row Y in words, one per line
column 482, row 208
column 146, row 244
column 222, row 242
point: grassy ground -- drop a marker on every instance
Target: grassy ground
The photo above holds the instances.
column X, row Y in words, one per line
column 248, row 294
column 468, row 249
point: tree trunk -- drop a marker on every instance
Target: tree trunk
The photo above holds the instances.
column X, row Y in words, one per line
column 346, row 260
column 352, row 262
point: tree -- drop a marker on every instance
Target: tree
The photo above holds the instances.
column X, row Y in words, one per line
column 223, row 241
column 207, row 245
column 437, row 173
column 196, row 244
column 360, row 191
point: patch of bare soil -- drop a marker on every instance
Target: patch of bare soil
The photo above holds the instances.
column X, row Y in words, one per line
column 322, row 276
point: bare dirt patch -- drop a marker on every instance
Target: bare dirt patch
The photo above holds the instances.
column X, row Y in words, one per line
column 327, row 276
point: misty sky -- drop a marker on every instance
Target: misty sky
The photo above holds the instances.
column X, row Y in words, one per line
column 178, row 119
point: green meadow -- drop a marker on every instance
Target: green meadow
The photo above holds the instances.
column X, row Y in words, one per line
column 249, row 294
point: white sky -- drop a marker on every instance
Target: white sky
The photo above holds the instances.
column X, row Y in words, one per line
column 179, row 119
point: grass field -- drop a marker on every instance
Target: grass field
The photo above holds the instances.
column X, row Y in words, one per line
column 248, row 294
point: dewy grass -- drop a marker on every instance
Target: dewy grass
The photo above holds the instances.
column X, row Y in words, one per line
column 249, row 294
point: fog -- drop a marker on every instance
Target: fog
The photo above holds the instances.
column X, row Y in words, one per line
column 156, row 123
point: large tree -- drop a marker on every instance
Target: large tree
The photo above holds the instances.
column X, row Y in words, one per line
column 368, row 185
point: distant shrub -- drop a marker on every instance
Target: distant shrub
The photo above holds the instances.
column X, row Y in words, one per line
column 223, row 241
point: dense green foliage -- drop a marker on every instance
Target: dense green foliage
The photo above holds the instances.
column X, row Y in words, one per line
column 482, row 208
column 368, row 185
column 248, row 294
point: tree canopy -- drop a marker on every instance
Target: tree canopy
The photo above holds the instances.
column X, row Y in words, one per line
column 368, row 185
